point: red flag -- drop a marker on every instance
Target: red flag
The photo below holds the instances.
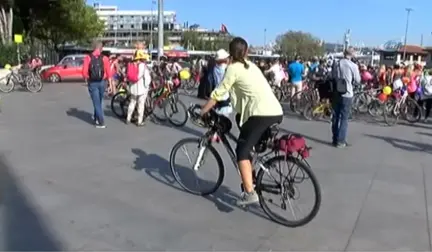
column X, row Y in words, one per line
column 224, row 29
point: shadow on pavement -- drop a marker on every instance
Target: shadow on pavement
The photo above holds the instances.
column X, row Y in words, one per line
column 404, row 144
column 328, row 143
column 23, row 227
column 417, row 125
column 424, row 134
column 185, row 129
column 80, row 114
column 159, row 169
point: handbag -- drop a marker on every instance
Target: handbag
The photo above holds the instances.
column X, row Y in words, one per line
column 341, row 83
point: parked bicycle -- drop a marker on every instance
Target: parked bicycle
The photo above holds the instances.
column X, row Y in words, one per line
column 268, row 154
column 28, row 79
column 162, row 103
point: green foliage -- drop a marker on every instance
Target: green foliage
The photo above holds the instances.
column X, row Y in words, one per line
column 294, row 43
column 56, row 22
column 196, row 41
column 8, row 55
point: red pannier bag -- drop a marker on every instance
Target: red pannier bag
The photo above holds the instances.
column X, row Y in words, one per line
column 293, row 143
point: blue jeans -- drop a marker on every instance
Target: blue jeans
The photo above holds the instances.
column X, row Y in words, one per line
column 97, row 90
column 341, row 112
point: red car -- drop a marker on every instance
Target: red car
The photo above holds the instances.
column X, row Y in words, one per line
column 68, row 69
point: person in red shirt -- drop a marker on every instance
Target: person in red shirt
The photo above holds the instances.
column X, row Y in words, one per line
column 96, row 72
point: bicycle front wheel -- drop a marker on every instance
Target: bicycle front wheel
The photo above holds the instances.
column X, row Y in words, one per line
column 174, row 106
column 188, row 177
column 7, row 84
column 286, row 189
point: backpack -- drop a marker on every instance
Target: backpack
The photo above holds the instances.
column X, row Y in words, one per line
column 132, row 72
column 426, row 84
column 96, row 68
column 340, row 85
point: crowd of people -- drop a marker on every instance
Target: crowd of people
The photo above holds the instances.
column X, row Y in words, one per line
column 231, row 82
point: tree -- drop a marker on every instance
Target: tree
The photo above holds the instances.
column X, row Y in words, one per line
column 190, row 40
column 294, row 43
column 68, row 21
column 196, row 41
column 6, row 21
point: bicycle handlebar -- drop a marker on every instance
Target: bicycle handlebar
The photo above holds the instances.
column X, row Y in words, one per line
column 207, row 121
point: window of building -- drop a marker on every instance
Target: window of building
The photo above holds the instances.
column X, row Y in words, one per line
column 121, row 16
column 111, row 27
column 389, row 56
column 121, row 26
column 132, row 26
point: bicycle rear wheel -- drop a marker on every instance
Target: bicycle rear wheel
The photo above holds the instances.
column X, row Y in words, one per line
column 391, row 113
column 287, row 190
column 174, row 106
column 119, row 104
column 34, row 85
column 411, row 111
column 189, row 86
column 204, row 152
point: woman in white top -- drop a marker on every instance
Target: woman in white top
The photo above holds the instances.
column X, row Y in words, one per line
column 139, row 89
column 222, row 58
column 278, row 72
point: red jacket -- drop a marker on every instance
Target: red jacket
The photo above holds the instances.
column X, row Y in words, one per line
column 106, row 63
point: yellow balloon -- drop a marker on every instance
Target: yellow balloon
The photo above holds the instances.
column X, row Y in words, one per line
column 7, row 66
column 387, row 90
column 185, row 75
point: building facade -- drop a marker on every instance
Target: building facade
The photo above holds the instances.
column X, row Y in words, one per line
column 124, row 27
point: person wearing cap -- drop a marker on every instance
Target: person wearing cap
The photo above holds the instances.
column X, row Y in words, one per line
column 222, row 107
column 296, row 72
column 345, row 73
column 139, row 89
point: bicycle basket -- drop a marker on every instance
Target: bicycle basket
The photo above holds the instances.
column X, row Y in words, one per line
column 293, row 143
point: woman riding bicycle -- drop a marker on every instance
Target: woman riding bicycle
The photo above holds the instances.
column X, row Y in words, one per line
column 256, row 105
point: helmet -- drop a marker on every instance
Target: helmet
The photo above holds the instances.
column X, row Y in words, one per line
column 140, row 55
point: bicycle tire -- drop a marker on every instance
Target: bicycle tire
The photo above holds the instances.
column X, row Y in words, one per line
column 308, row 112
column 159, row 106
column 389, row 110
column 212, row 150
column 189, row 87
column 415, row 104
column 34, row 80
column 179, row 104
column 277, row 91
column 375, row 108
column 310, row 174
column 10, row 83
column 121, row 97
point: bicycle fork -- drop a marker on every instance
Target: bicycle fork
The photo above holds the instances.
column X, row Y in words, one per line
column 200, row 158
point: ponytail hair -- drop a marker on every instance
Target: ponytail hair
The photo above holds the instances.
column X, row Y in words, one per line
column 238, row 48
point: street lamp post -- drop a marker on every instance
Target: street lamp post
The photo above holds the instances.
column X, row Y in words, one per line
column 408, row 10
column 151, row 26
column 160, row 29
column 265, row 38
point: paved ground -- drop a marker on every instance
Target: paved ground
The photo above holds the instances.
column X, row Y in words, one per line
column 66, row 185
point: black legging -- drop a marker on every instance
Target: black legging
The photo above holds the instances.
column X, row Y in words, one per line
column 428, row 106
column 251, row 132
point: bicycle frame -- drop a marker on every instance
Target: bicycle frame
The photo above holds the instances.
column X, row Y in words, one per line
column 206, row 139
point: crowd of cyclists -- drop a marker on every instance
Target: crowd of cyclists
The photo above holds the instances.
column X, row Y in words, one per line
column 253, row 89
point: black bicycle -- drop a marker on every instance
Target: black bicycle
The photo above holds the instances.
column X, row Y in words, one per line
column 266, row 158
